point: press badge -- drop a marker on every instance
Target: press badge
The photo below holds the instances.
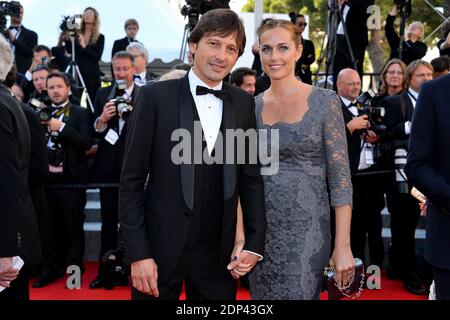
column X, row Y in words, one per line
column 368, row 153
column 112, row 136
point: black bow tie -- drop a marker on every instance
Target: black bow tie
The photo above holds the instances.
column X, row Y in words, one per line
column 221, row 94
column 14, row 28
column 353, row 104
column 137, row 76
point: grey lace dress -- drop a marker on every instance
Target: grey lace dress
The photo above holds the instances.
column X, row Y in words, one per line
column 297, row 202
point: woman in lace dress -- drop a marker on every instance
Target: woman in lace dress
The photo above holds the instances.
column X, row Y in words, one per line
column 312, row 149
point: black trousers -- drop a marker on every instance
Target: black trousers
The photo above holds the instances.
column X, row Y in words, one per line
column 19, row 290
column 405, row 213
column 368, row 202
column 66, row 209
column 442, row 283
column 109, row 200
column 342, row 59
column 200, row 269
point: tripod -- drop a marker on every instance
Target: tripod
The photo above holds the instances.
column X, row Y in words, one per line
column 184, row 42
column 405, row 12
column 333, row 20
column 76, row 74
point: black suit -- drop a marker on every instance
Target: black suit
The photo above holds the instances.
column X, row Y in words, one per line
column 121, row 45
column 411, row 50
column 88, row 59
column 66, row 206
column 19, row 235
column 170, row 222
column 368, row 200
column 24, row 45
column 356, row 25
column 302, row 68
column 107, row 168
column 403, row 208
column 428, row 169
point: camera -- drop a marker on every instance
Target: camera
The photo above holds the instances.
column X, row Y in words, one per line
column 400, row 156
column 42, row 106
column 194, row 8
column 405, row 7
column 123, row 105
column 50, row 63
column 8, row 8
column 70, row 24
column 55, row 154
column 374, row 114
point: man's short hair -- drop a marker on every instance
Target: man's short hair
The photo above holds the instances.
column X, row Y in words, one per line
column 412, row 67
column 10, row 77
column 221, row 22
column 6, row 58
column 441, row 64
column 61, row 75
column 130, row 22
column 41, row 47
column 238, row 75
column 124, row 55
column 40, row 67
column 140, row 48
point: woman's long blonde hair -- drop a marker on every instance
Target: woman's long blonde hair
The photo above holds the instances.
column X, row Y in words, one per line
column 96, row 29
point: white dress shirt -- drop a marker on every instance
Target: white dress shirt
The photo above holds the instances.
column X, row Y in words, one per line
column 340, row 29
column 413, row 97
column 209, row 109
column 141, row 80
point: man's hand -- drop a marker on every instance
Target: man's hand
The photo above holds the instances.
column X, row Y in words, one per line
column 144, row 276
column 7, row 272
column 358, row 123
column 54, row 124
column 243, row 264
column 371, row 137
column 109, row 111
column 394, row 11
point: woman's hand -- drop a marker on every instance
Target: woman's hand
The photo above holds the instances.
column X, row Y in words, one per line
column 343, row 264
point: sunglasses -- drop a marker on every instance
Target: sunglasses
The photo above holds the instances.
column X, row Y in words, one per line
column 301, row 24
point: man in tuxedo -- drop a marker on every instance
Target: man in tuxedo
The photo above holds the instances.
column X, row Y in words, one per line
column 41, row 53
column 354, row 17
column 178, row 219
column 68, row 139
column 405, row 211
column 22, row 41
column 368, row 197
column 140, row 53
column 19, row 235
column 111, row 134
column 131, row 30
column 428, row 169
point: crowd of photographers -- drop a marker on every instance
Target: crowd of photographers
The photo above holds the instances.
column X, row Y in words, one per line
column 86, row 144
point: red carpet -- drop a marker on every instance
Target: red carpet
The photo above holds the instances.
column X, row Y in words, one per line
column 390, row 290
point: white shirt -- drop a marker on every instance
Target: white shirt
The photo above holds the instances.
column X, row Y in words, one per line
column 209, row 109
column 413, row 97
column 142, row 80
column 340, row 29
column 15, row 33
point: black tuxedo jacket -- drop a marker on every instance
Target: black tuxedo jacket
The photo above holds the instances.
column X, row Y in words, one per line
column 155, row 221
column 399, row 109
column 356, row 22
column 19, row 233
column 24, row 45
column 302, row 68
column 120, row 45
column 76, row 139
column 353, row 141
column 428, row 166
column 108, row 162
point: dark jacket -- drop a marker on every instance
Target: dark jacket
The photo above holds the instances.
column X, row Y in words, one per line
column 24, row 45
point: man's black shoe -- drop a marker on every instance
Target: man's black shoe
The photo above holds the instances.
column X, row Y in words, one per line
column 414, row 285
column 45, row 279
column 97, row 283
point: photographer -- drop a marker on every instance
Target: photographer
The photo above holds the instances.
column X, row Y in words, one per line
column 368, row 200
column 41, row 54
column 110, row 124
column 403, row 208
column 68, row 138
column 22, row 41
column 302, row 67
column 354, row 17
column 89, row 44
column 413, row 47
column 244, row 78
